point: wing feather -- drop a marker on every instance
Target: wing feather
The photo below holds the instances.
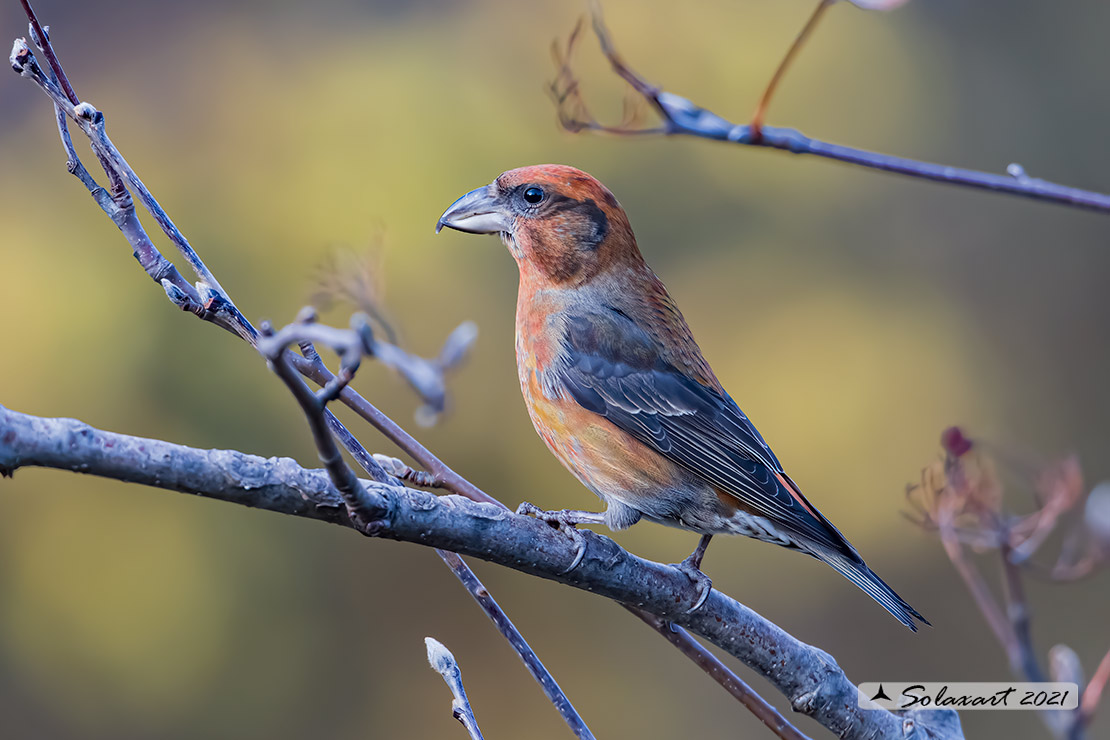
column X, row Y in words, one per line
column 612, row 367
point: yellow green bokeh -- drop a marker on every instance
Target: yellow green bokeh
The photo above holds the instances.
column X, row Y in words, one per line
column 853, row 315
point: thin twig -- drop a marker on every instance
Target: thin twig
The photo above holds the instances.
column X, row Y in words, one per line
column 1023, row 657
column 48, row 50
column 509, row 631
column 445, row 664
column 732, row 683
column 680, row 116
column 978, row 588
column 1088, row 705
column 780, row 71
column 1021, row 653
column 91, row 122
column 122, row 213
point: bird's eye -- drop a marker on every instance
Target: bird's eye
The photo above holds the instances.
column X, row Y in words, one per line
column 533, row 195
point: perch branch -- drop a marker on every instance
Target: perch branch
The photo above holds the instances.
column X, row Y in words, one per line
column 807, row 676
column 447, row 479
column 345, row 343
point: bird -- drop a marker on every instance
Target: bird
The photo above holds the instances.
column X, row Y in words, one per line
column 619, row 391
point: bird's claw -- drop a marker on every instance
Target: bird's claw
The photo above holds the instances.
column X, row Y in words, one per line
column 565, row 522
column 702, row 583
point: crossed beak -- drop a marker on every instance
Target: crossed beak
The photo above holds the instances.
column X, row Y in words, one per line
column 480, row 211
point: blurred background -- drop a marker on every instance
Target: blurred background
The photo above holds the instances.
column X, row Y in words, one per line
column 852, row 314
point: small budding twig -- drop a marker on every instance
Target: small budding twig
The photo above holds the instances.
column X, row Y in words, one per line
column 406, row 473
column 509, row 631
column 680, row 116
column 445, row 664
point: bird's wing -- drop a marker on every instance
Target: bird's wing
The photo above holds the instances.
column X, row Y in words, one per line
column 612, row 367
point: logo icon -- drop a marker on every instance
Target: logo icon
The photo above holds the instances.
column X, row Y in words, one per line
column 880, row 694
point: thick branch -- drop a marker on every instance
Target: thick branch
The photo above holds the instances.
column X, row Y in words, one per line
column 809, row 677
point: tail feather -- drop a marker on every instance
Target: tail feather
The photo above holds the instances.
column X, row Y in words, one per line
column 859, row 574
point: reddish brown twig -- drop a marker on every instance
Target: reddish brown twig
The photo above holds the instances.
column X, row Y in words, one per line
column 1093, row 693
column 780, row 71
column 37, row 30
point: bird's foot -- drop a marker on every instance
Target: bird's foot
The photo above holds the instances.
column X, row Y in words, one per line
column 566, row 521
column 562, row 518
column 702, row 583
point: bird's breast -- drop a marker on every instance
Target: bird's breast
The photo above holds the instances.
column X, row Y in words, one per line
column 604, row 458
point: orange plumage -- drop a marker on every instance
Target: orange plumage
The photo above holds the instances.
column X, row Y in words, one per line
column 618, row 389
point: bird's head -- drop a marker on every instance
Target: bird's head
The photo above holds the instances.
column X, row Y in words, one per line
column 560, row 224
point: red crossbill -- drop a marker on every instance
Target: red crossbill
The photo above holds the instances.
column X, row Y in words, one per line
column 618, row 389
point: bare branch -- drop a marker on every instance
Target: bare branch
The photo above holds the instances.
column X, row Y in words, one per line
column 208, row 293
column 350, row 345
column 807, row 676
column 444, row 476
column 445, row 664
column 680, row 116
column 505, row 626
column 359, row 507
column 731, row 683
